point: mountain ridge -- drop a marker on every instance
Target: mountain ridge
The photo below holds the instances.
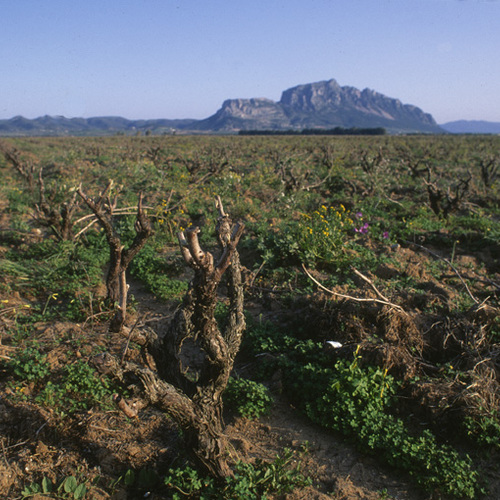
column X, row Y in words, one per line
column 318, row 105
column 19, row 126
column 471, row 127
column 322, row 104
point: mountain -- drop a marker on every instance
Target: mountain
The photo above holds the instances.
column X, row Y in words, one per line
column 246, row 114
column 471, row 127
column 320, row 105
column 103, row 125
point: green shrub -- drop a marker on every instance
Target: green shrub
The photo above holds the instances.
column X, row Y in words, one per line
column 356, row 400
column 319, row 238
column 485, row 429
column 61, row 273
column 354, row 405
column 151, row 267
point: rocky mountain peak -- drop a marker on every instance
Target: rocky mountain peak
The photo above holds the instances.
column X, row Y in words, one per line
column 323, row 104
column 312, row 96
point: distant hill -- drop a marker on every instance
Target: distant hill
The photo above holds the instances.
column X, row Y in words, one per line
column 320, row 105
column 104, row 125
column 471, row 127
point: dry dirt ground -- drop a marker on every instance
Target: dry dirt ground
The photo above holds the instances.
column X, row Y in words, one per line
column 35, row 443
column 100, row 446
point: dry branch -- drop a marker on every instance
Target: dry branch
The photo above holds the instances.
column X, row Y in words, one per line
column 124, row 407
column 382, row 300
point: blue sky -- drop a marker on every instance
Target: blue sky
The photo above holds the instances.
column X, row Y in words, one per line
column 183, row 58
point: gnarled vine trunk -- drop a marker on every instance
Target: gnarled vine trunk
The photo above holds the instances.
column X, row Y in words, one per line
column 119, row 256
column 195, row 356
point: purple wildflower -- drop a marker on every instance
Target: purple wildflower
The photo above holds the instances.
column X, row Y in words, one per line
column 385, row 234
column 363, row 229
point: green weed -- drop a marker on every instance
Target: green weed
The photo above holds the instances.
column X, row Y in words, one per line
column 68, row 488
column 356, row 400
column 77, row 388
column 152, row 268
column 248, row 398
column 250, row 481
column 30, row 365
column 485, row 429
column 61, row 273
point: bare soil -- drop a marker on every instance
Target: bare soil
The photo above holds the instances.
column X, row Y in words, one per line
column 100, row 446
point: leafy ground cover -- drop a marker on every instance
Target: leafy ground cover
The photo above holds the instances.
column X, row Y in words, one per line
column 372, row 282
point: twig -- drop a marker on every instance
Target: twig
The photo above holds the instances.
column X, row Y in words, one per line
column 487, row 280
column 370, row 282
column 41, row 427
column 349, row 297
column 254, row 277
column 128, row 340
column 92, row 316
column 4, row 455
column 160, row 318
column 88, row 226
column 393, row 201
column 192, row 186
column 264, row 289
column 104, row 429
column 8, row 309
column 482, row 305
column 22, row 443
column 116, row 211
column 476, row 278
column 8, row 347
